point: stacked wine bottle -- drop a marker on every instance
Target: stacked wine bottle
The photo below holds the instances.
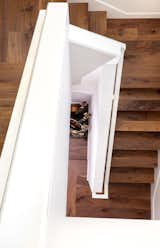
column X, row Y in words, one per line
column 79, row 120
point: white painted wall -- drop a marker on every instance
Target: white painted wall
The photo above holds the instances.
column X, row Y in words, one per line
column 112, row 233
column 124, row 8
column 88, row 51
column 100, row 85
column 136, row 6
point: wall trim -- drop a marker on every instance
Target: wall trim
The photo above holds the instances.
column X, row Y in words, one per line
column 155, row 189
column 114, row 12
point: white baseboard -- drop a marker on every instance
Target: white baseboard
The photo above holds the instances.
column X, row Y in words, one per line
column 155, row 193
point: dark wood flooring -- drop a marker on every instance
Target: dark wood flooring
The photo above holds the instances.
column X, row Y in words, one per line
column 17, row 22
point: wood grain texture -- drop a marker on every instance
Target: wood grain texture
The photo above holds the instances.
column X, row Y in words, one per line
column 132, row 175
column 142, row 37
column 134, row 159
column 17, row 22
column 78, row 149
column 98, row 22
column 139, row 100
column 138, row 121
column 133, row 198
column 137, row 141
column 79, row 14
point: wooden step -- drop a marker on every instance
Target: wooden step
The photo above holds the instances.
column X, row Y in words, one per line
column 10, row 72
column 144, row 126
column 138, row 121
column 86, row 211
column 118, row 203
column 98, row 22
column 139, row 100
column 79, row 14
column 119, row 190
column 129, row 190
column 140, row 94
column 114, row 208
column 139, row 105
column 137, row 141
column 134, row 159
column 141, row 83
column 132, row 175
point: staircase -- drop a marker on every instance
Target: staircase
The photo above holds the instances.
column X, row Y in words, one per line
column 137, row 137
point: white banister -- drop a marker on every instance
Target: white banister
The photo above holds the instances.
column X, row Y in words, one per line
column 40, row 164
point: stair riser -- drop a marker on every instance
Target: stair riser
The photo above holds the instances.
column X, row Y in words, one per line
column 128, row 175
column 137, row 141
column 134, row 159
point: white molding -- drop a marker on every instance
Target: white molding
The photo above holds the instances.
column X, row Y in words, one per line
column 120, row 13
column 155, row 189
column 38, row 178
column 114, row 12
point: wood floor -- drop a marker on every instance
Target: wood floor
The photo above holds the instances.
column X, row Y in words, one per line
column 137, row 132
column 17, row 22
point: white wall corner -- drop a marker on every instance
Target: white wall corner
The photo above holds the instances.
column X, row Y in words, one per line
column 155, row 192
column 115, row 10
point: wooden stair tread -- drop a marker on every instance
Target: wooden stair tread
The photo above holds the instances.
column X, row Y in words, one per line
column 138, row 116
column 139, row 105
column 98, row 22
column 146, row 126
column 134, row 159
column 122, row 197
column 138, row 121
column 139, row 100
column 132, row 175
column 79, row 14
column 85, row 211
column 137, row 141
column 10, row 72
column 141, row 83
column 140, row 94
column 124, row 203
column 120, row 190
column 129, row 190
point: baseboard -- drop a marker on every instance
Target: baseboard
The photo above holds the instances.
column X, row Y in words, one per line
column 155, row 192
